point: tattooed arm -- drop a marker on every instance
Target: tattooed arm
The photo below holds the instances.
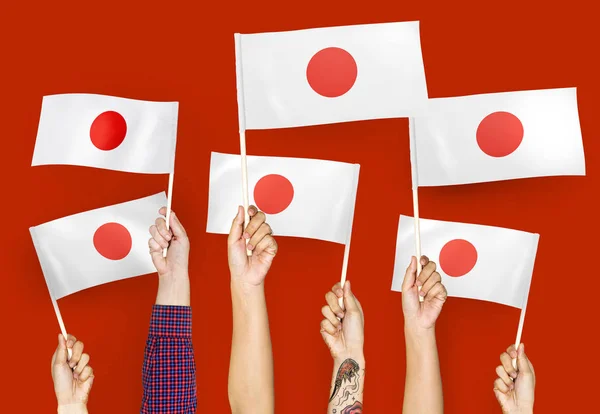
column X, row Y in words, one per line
column 251, row 365
column 423, row 388
column 343, row 332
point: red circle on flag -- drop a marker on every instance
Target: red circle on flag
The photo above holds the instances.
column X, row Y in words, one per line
column 458, row 257
column 499, row 134
column 113, row 241
column 331, row 72
column 108, row 130
column 273, row 193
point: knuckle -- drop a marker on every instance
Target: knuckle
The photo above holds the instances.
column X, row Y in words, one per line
column 324, row 309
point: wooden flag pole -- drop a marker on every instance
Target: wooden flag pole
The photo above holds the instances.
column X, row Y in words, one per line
column 347, row 246
column 242, row 125
column 61, row 323
column 415, row 192
column 521, row 323
column 169, row 200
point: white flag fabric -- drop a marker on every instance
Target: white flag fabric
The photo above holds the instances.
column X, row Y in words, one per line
column 477, row 262
column 498, row 136
column 107, row 132
column 329, row 75
column 97, row 246
column 301, row 197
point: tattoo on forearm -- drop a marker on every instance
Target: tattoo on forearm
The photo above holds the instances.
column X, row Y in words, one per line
column 346, row 373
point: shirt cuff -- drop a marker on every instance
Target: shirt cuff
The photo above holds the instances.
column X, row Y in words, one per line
column 171, row 321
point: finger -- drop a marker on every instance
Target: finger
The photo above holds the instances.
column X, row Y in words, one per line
column 328, row 327
column 437, row 292
column 432, row 281
column 158, row 237
column 512, row 351
column 500, row 386
column 525, row 366
column 350, row 302
column 267, row 244
column 263, row 231
column 77, row 352
column 161, row 225
column 252, row 210
column 337, row 289
column 176, row 226
column 83, row 362
column 60, row 355
column 426, row 273
column 424, row 260
column 410, row 275
column 332, row 301
column 85, row 374
column 330, row 316
column 71, row 340
column 156, row 252
column 255, row 222
column 236, row 227
column 501, row 372
column 507, row 364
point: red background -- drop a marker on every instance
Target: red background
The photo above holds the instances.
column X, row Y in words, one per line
column 168, row 51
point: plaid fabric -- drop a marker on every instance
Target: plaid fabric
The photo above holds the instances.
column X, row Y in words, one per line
column 169, row 372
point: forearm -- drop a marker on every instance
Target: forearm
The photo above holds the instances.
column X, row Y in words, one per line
column 72, row 409
column 423, row 388
column 251, row 365
column 173, row 290
column 169, row 370
column 347, row 385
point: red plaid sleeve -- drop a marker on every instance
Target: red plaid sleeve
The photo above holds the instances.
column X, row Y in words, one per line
column 169, row 371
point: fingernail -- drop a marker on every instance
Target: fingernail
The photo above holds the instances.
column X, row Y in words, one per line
column 75, row 375
column 511, row 386
column 419, row 283
column 250, row 247
column 168, row 236
column 72, row 365
column 246, row 235
column 340, row 315
column 513, row 374
column 339, row 293
column 69, row 344
column 422, row 293
column 339, row 327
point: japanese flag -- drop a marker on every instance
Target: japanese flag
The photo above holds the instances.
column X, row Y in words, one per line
column 329, row 75
column 476, row 262
column 97, row 246
column 301, row 197
column 107, row 132
column 497, row 136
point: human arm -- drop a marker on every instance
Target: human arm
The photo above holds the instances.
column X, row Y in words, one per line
column 343, row 333
column 423, row 386
column 169, row 369
column 73, row 378
column 251, row 388
column 515, row 388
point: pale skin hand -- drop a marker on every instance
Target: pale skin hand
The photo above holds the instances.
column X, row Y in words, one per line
column 343, row 331
column 173, row 278
column 250, row 270
column 422, row 314
column 73, row 378
column 251, row 384
column 423, row 387
column 514, row 388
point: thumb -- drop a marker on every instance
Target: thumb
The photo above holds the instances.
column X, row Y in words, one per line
column 523, row 364
column 237, row 227
column 410, row 276
column 60, row 356
column 350, row 301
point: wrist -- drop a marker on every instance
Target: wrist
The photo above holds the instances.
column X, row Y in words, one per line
column 358, row 357
column 76, row 408
column 247, row 288
column 413, row 328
